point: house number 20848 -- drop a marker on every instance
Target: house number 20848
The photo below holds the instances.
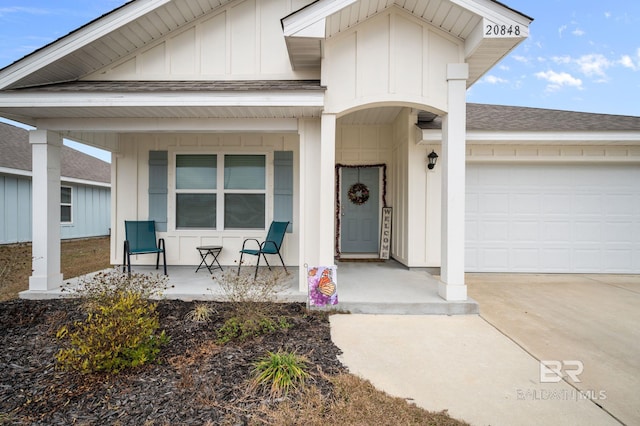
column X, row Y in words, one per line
column 502, row 30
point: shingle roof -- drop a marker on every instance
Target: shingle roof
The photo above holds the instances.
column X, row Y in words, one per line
column 178, row 86
column 514, row 118
column 15, row 153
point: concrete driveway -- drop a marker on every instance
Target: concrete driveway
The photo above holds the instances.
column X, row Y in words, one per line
column 485, row 368
column 591, row 321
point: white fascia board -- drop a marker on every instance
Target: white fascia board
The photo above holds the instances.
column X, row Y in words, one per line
column 271, row 125
column 434, row 136
column 493, row 11
column 245, row 99
column 310, row 16
column 72, row 42
column 64, row 179
column 15, row 172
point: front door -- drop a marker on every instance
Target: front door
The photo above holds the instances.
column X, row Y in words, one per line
column 359, row 210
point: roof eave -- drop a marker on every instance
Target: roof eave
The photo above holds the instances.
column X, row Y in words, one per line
column 11, row 75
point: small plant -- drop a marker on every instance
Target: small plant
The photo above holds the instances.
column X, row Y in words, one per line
column 243, row 288
column 200, row 313
column 281, row 372
column 243, row 328
column 120, row 330
column 252, row 300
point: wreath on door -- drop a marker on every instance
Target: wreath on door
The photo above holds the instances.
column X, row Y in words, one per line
column 358, row 193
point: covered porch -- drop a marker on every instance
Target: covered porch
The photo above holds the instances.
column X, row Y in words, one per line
column 363, row 287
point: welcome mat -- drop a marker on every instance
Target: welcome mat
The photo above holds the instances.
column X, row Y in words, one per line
column 362, row 260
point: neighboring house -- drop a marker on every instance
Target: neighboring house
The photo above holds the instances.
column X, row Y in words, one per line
column 85, row 199
column 223, row 116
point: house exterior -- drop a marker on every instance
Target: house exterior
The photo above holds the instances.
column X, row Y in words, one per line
column 223, row 116
column 85, row 194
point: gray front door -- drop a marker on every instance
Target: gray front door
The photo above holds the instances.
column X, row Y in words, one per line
column 359, row 226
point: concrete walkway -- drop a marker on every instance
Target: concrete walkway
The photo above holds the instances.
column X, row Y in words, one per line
column 485, row 369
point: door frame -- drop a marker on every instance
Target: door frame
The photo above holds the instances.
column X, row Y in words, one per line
column 382, row 195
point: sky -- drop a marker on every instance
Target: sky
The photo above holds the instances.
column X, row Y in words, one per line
column 581, row 55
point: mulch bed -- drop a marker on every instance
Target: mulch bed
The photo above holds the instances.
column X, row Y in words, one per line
column 196, row 381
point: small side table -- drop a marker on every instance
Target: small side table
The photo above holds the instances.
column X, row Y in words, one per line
column 205, row 251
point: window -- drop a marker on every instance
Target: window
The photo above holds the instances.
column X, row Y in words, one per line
column 65, row 204
column 239, row 193
column 196, row 191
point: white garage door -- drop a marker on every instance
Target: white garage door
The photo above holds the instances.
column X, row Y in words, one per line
column 553, row 218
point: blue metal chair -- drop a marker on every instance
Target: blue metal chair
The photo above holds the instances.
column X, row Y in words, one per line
column 271, row 245
column 141, row 239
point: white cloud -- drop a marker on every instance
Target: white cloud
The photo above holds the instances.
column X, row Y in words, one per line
column 561, row 30
column 492, row 79
column 627, row 62
column 607, row 15
column 521, row 58
column 17, row 9
column 558, row 80
column 593, row 65
column 578, row 32
column 561, row 59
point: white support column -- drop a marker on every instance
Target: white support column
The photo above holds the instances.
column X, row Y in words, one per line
column 327, row 189
column 452, row 285
column 317, row 194
column 46, row 148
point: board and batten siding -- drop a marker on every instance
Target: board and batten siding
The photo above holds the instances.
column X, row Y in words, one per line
column 15, row 214
column 391, row 58
column 140, row 178
column 90, row 210
column 241, row 40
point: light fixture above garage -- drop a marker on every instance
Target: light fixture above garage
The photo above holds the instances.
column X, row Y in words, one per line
column 432, row 159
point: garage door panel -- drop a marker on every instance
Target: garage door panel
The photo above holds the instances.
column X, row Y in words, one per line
column 524, row 230
column 621, row 232
column 494, row 231
column 620, row 260
column 556, row 204
column 526, row 203
column 553, row 218
column 587, row 260
column 586, row 231
column 556, row 230
column 523, row 260
column 496, row 259
column 619, row 204
column 471, row 230
column 556, row 259
column 588, row 204
column 494, row 203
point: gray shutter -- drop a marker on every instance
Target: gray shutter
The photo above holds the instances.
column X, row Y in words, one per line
column 158, row 163
column 283, row 187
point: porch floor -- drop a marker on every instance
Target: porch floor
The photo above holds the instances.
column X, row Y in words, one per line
column 370, row 288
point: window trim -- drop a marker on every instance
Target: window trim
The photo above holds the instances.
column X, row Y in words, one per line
column 70, row 205
column 220, row 191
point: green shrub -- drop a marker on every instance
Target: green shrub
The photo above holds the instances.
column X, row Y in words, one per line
column 120, row 330
column 280, row 372
column 243, row 328
column 252, row 300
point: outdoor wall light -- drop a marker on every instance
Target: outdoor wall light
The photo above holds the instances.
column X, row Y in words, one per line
column 433, row 158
